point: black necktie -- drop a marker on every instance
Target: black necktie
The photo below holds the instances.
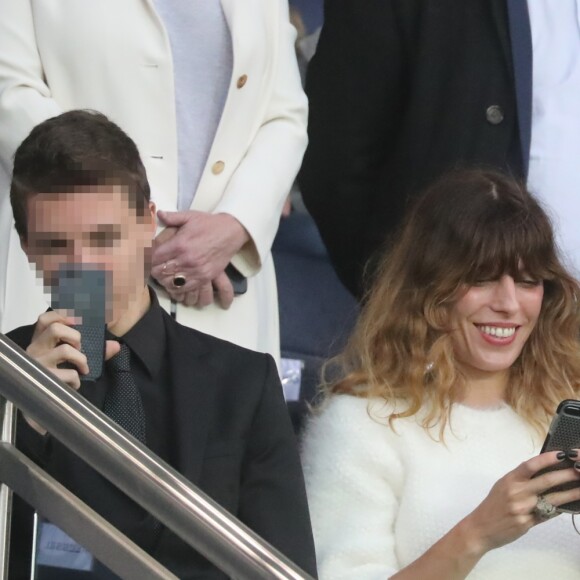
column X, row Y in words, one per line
column 123, row 401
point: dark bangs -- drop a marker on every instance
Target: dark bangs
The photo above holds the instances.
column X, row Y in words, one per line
column 517, row 243
column 475, row 225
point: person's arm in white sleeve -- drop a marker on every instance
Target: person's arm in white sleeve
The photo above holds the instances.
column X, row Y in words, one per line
column 25, row 98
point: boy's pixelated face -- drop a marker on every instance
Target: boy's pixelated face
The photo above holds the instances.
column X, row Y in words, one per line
column 93, row 226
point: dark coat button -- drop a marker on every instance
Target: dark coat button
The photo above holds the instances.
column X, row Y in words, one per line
column 494, row 114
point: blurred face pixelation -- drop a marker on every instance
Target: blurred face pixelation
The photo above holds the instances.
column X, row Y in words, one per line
column 95, row 227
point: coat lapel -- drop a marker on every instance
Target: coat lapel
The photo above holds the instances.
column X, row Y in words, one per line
column 191, row 397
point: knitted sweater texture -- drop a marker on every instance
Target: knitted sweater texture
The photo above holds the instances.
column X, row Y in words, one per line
column 379, row 498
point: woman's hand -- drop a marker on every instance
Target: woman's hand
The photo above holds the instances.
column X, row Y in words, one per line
column 198, row 246
column 508, row 511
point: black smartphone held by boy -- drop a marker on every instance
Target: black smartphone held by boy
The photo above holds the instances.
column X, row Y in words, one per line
column 564, row 434
column 81, row 291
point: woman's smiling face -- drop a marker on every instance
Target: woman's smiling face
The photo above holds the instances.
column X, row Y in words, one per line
column 492, row 321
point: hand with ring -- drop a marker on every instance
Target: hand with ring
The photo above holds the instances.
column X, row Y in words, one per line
column 544, row 510
column 518, row 501
column 191, row 254
column 179, row 281
column 171, row 275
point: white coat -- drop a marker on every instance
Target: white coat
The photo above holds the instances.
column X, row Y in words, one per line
column 115, row 57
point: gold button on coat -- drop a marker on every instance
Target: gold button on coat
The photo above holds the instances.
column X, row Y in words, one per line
column 218, row 167
column 242, row 81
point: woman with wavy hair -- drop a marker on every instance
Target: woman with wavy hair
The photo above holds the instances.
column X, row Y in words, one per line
column 423, row 459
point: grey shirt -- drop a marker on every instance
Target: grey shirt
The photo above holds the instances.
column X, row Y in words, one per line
column 201, row 47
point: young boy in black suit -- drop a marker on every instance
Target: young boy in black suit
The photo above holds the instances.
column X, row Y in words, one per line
column 212, row 410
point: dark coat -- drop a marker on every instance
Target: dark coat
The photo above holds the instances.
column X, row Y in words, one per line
column 400, row 91
column 233, row 439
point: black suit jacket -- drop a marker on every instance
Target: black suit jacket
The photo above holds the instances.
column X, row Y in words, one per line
column 234, row 440
column 400, row 91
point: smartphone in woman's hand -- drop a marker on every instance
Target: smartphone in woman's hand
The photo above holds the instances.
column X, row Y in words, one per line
column 564, row 434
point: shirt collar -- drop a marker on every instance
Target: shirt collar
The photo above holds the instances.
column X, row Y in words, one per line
column 146, row 338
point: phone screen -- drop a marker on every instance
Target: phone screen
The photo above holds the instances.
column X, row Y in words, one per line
column 80, row 290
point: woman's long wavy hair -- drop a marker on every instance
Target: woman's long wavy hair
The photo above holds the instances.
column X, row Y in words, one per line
column 470, row 225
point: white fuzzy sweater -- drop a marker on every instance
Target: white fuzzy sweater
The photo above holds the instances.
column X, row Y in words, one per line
column 379, row 499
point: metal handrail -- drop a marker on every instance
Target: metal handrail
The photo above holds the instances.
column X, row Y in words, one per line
column 62, row 508
column 127, row 463
column 7, row 433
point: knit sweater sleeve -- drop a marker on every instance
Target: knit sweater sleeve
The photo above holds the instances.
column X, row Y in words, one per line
column 354, row 476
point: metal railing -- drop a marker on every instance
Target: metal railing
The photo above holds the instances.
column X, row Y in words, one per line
column 158, row 488
column 7, row 433
column 79, row 521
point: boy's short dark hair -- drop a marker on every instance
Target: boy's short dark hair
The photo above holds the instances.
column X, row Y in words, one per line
column 75, row 150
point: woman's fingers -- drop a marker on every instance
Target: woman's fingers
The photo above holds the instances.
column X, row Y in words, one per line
column 534, row 480
column 164, row 236
column 531, row 467
column 547, row 470
column 558, row 498
column 203, row 245
column 168, row 282
column 192, row 293
column 224, row 290
column 546, row 481
column 205, row 295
